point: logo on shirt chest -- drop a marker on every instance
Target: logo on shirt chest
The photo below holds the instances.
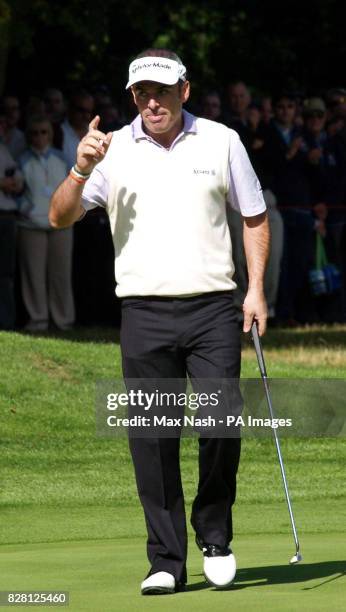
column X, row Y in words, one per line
column 211, row 171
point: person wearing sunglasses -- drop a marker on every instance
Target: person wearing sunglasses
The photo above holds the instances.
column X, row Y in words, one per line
column 45, row 254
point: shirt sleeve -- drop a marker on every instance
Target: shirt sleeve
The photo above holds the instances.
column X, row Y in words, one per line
column 95, row 192
column 245, row 192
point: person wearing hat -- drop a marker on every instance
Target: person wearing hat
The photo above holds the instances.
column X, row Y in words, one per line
column 336, row 103
column 167, row 182
column 324, row 156
column 325, row 163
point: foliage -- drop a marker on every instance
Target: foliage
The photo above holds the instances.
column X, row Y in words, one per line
column 268, row 45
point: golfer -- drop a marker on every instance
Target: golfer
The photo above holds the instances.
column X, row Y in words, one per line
column 167, row 182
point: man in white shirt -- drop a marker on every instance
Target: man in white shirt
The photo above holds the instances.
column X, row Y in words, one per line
column 167, row 182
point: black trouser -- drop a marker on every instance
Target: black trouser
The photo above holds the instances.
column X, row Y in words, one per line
column 169, row 338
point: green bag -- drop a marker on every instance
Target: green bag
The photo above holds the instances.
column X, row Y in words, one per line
column 325, row 278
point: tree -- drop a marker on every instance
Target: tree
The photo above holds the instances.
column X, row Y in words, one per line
column 268, row 45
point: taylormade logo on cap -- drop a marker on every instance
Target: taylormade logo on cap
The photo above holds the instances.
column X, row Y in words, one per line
column 137, row 67
column 157, row 69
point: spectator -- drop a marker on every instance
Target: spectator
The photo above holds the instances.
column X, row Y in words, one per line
column 336, row 104
column 299, row 98
column 55, row 110
column 239, row 100
column 54, row 105
column 250, row 129
column 12, row 137
column 106, row 109
column 283, row 166
column 45, row 254
column 95, row 230
column 10, row 185
column 253, row 116
column 35, row 106
column 211, row 107
column 101, row 95
column 75, row 126
column 109, row 117
column 272, row 274
column 325, row 157
column 325, row 168
column 282, row 160
column 266, row 110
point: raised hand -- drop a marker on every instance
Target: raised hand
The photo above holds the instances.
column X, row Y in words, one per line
column 294, row 148
column 93, row 147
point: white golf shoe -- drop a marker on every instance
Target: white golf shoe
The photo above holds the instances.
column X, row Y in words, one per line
column 160, row 583
column 219, row 564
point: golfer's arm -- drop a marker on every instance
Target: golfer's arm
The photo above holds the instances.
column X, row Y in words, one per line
column 256, row 235
column 66, row 204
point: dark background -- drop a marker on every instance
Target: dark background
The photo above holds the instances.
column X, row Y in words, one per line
column 294, row 44
column 297, row 45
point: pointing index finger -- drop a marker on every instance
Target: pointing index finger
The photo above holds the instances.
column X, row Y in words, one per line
column 94, row 123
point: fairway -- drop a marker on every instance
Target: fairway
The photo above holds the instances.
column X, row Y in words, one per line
column 70, row 517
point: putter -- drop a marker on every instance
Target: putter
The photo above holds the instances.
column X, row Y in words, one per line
column 259, row 353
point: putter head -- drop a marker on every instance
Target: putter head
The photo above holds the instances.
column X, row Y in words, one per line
column 296, row 558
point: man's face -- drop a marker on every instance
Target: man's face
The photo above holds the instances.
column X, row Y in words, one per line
column 239, row 98
column 211, row 107
column 81, row 111
column 315, row 121
column 160, row 105
column 55, row 104
column 285, row 111
column 39, row 136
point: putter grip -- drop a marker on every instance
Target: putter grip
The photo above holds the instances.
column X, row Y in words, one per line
column 258, row 349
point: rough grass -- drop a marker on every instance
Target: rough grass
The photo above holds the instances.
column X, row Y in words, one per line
column 50, row 454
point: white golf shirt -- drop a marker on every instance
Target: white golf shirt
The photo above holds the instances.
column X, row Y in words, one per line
column 168, row 208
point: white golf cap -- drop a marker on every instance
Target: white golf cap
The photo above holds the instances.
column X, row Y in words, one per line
column 157, row 69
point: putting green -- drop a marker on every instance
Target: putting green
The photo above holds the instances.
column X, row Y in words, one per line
column 105, row 575
column 68, row 501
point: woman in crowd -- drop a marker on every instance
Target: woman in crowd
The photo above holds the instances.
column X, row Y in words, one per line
column 45, row 254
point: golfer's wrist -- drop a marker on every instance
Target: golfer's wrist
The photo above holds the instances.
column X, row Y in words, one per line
column 256, row 286
column 81, row 172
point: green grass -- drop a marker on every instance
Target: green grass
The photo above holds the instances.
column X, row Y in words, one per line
column 105, row 576
column 69, row 513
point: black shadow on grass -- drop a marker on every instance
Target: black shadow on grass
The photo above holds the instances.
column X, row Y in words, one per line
column 322, row 337
column 197, row 586
column 315, row 337
column 327, row 571
column 104, row 335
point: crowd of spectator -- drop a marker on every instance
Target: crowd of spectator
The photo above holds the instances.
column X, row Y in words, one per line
column 297, row 145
